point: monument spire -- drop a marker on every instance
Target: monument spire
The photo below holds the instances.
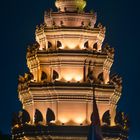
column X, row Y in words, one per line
column 56, row 94
column 70, row 5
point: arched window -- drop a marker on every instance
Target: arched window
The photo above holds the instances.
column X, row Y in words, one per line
column 100, row 77
column 50, row 116
column 55, row 75
column 106, row 117
column 24, row 117
column 59, row 44
column 38, row 116
column 43, row 76
column 49, row 45
column 95, row 46
column 86, row 45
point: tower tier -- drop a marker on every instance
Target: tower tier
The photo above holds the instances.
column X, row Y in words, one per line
column 71, row 103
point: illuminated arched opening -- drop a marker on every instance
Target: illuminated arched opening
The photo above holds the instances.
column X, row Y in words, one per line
column 50, row 116
column 49, row 45
column 24, row 117
column 86, row 45
column 95, row 46
column 106, row 118
column 55, row 75
column 100, row 77
column 38, row 117
column 43, row 76
column 59, row 44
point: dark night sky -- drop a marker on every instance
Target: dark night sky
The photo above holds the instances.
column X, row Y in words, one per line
column 18, row 21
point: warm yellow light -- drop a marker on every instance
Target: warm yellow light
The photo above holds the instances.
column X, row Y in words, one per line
column 71, row 43
column 82, row 47
column 73, row 78
column 17, row 126
column 29, row 122
column 68, row 78
column 63, row 120
column 79, row 120
column 72, row 46
column 52, row 121
column 40, row 48
column 74, row 74
column 62, row 47
column 78, row 78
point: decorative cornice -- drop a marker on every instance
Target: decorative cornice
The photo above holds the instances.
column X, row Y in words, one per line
column 69, row 132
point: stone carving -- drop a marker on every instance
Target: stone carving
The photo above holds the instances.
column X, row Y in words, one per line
column 102, row 29
column 23, row 81
column 32, row 49
column 37, row 28
column 40, row 27
column 117, row 81
column 26, row 78
column 108, row 50
column 22, row 86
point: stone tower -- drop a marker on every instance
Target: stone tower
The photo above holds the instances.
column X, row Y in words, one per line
column 67, row 64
